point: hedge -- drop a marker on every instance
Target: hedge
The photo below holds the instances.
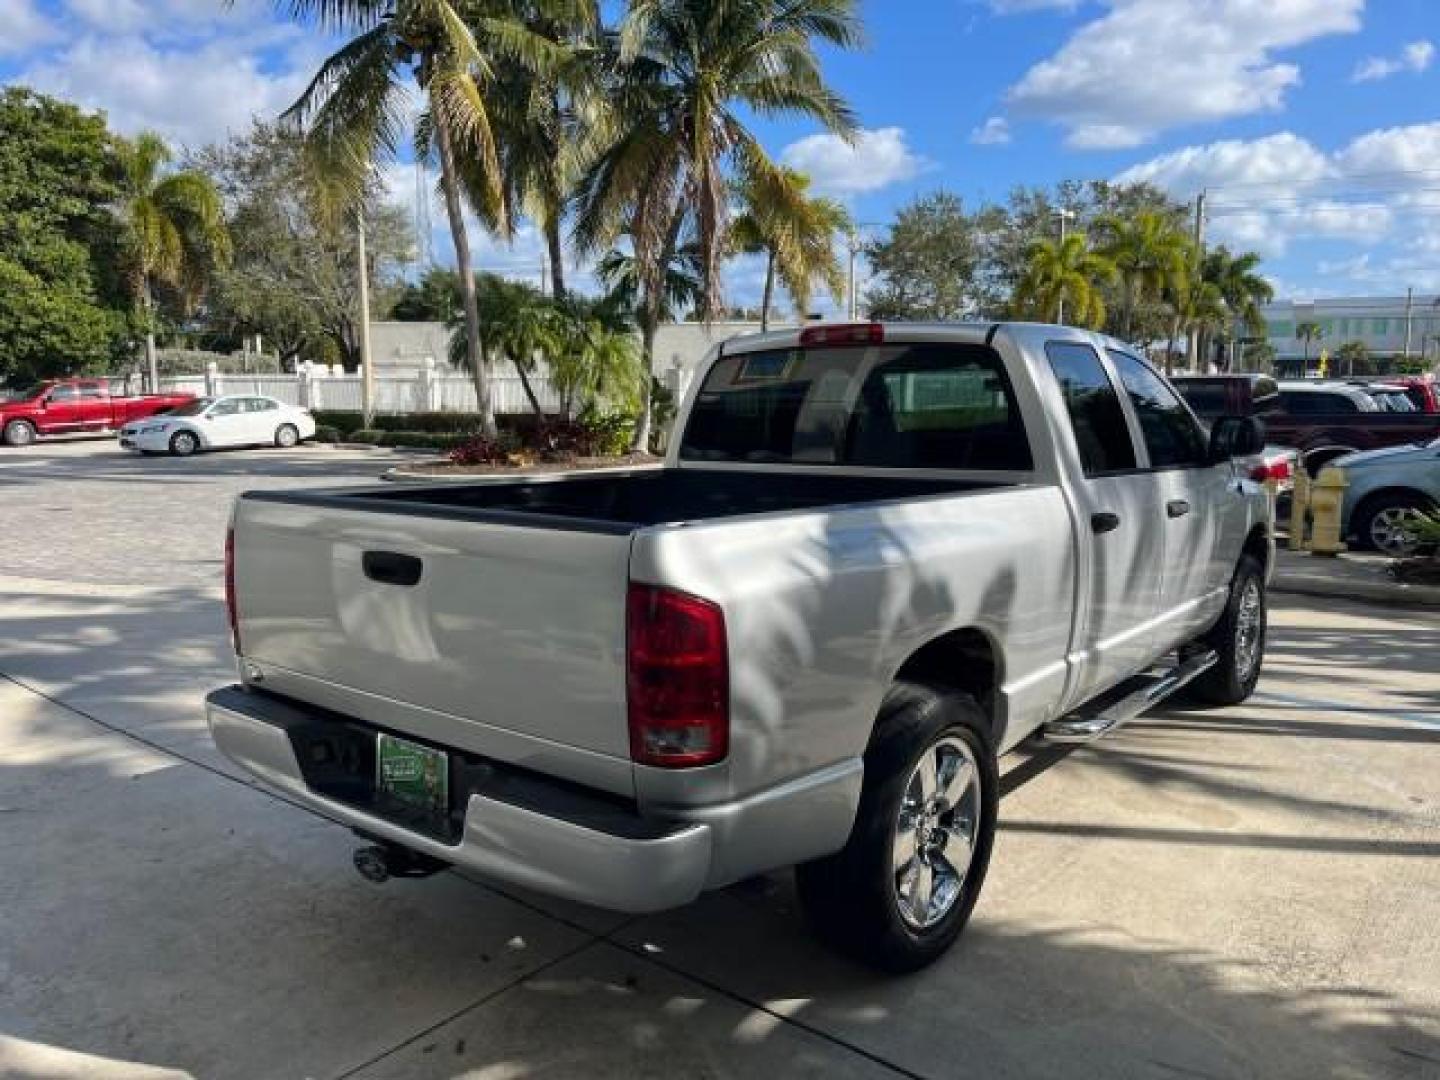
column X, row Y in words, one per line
column 446, row 423
column 425, row 440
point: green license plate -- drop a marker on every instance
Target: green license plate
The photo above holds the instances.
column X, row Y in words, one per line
column 414, row 775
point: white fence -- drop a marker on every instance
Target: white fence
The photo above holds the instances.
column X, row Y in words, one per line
column 427, row 390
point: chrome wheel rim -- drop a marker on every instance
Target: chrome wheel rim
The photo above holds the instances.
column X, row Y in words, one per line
column 288, row 437
column 1247, row 629
column 935, row 832
column 185, row 444
column 1390, row 530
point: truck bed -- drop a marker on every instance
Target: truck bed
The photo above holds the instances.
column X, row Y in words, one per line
column 622, row 502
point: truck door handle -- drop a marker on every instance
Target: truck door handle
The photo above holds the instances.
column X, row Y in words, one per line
column 392, row 568
column 1177, row 508
column 1104, row 522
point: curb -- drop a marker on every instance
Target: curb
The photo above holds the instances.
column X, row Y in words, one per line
column 1375, row 592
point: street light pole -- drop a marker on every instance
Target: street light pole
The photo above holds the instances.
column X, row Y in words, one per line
column 1064, row 216
column 367, row 370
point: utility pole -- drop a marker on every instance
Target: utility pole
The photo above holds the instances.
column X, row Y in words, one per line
column 852, row 242
column 367, row 370
column 1192, row 341
column 1409, row 305
column 1064, row 215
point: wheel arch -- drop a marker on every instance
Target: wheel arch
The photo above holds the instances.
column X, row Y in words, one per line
column 1390, row 491
column 967, row 659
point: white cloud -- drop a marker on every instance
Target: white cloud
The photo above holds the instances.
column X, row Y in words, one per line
column 1267, row 193
column 1149, row 65
column 1283, row 158
column 1415, row 57
column 24, row 27
column 876, row 159
column 192, row 95
column 994, row 132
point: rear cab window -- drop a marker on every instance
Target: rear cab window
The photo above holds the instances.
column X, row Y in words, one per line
column 927, row 405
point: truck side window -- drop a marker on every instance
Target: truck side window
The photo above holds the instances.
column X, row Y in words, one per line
column 1094, row 407
column 1171, row 434
column 63, row 393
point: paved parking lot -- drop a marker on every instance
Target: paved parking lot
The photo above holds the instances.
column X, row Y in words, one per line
column 1245, row 892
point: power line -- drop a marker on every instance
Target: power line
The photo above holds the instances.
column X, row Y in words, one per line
column 1347, row 177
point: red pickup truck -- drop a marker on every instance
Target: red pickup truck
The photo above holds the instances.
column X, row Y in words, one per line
column 70, row 406
column 1323, row 421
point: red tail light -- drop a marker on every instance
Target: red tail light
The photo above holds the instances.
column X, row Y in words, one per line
column 1271, row 470
column 230, row 609
column 843, row 334
column 677, row 678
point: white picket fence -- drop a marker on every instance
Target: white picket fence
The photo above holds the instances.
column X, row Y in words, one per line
column 427, row 390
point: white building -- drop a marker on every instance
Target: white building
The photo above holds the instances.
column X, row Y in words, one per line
column 1389, row 326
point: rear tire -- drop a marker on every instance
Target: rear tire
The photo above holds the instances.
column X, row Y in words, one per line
column 19, row 433
column 866, row 900
column 184, row 443
column 287, row 436
column 1378, row 522
column 1238, row 638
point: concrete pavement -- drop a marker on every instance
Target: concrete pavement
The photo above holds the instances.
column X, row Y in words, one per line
column 1241, row 892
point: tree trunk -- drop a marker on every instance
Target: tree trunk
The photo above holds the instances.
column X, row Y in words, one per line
column 152, row 362
column 769, row 290
column 530, row 394
column 557, row 257
column 649, row 321
column 1170, row 346
column 479, row 364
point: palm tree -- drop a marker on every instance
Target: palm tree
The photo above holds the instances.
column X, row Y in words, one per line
column 596, row 358
column 1066, row 275
column 173, row 232
column 353, row 110
column 1308, row 332
column 795, row 232
column 1244, row 290
column 1151, row 253
column 1197, row 307
column 683, row 71
column 548, row 124
column 517, row 324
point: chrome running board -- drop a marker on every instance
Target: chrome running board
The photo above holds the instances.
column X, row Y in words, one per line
column 1131, row 698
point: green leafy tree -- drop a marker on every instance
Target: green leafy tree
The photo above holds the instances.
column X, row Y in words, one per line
column 928, row 266
column 596, row 360
column 1197, row 307
column 62, row 308
column 1065, row 279
column 1152, row 254
column 434, row 298
column 292, row 277
column 173, row 235
column 354, row 109
column 1243, row 289
column 795, row 231
column 688, row 74
column 1258, row 356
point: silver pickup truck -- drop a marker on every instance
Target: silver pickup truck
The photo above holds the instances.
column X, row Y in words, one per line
column 877, row 557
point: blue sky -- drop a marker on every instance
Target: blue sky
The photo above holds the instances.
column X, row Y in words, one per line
column 1313, row 124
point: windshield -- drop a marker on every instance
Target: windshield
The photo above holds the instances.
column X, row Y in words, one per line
column 929, row 406
column 191, row 408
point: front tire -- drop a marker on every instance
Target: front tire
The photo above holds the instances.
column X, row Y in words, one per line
column 287, row 436
column 902, row 889
column 184, row 443
column 19, row 433
column 1238, row 639
column 1384, row 523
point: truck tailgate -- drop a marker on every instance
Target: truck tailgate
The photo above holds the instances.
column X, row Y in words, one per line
column 505, row 625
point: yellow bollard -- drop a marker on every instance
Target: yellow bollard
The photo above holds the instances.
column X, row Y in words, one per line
column 1326, row 496
column 1299, row 503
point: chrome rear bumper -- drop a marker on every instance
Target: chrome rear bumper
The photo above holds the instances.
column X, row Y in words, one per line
column 499, row 839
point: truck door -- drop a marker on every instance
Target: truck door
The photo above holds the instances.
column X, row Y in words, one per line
column 62, row 412
column 94, row 406
column 1117, row 505
column 1203, row 518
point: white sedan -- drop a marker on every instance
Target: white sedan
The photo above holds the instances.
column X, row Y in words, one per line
column 211, row 423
